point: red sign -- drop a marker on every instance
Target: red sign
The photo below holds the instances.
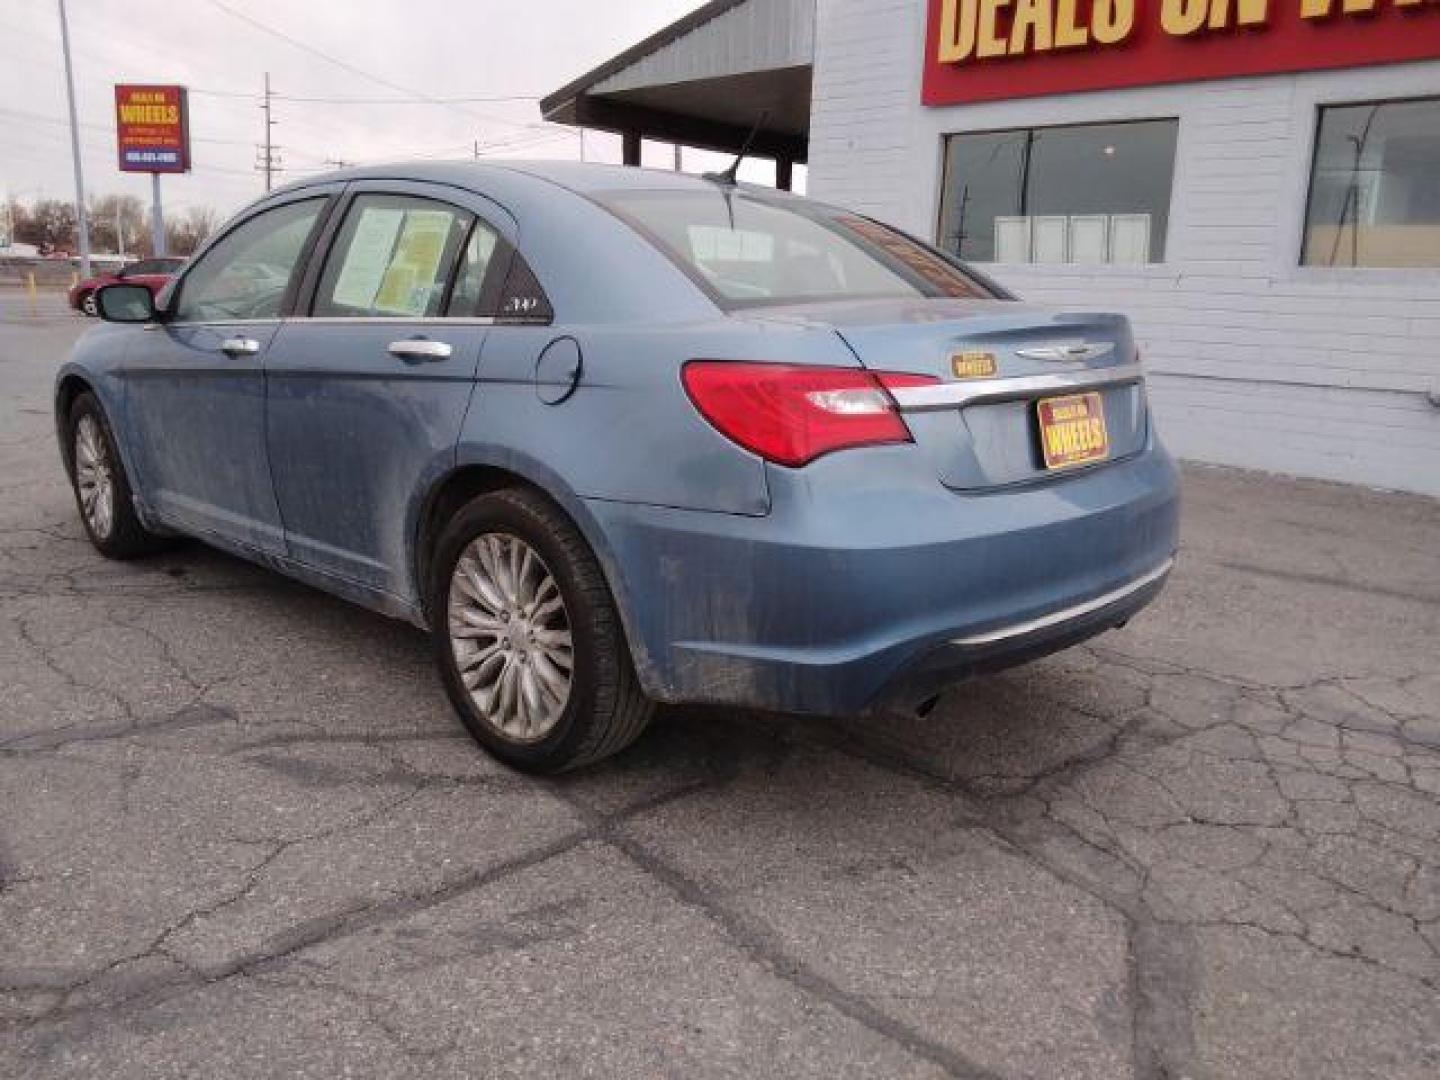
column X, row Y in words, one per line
column 987, row 50
column 152, row 129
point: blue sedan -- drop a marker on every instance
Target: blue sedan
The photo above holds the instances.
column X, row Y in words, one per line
column 616, row 437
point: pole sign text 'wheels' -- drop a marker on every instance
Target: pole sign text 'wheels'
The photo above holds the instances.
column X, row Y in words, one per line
column 152, row 128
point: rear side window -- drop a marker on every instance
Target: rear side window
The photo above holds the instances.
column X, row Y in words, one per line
column 477, row 262
column 393, row 257
column 745, row 249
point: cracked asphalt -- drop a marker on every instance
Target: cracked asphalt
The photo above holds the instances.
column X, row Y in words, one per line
column 242, row 835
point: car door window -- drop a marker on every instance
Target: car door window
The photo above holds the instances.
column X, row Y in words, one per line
column 393, row 258
column 245, row 275
column 469, row 297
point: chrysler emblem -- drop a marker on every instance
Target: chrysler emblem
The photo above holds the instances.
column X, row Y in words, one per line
column 1085, row 351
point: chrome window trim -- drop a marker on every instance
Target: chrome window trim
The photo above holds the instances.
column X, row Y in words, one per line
column 1055, row 618
column 394, row 320
column 953, row 395
column 366, row 320
column 192, row 323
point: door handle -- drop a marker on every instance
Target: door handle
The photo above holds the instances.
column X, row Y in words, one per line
column 240, row 346
column 420, row 350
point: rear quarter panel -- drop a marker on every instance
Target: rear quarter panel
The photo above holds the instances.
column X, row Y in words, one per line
column 628, row 432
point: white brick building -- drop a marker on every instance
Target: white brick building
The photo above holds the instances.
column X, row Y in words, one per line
column 1256, row 359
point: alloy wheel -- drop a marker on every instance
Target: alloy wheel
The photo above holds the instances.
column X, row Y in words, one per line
column 510, row 636
column 94, row 478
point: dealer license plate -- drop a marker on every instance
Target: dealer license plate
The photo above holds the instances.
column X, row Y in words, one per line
column 1072, row 430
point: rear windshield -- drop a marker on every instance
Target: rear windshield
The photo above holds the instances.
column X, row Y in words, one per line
column 747, row 250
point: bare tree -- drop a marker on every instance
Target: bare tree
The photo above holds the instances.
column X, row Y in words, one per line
column 50, row 226
column 112, row 216
column 15, row 223
column 184, row 235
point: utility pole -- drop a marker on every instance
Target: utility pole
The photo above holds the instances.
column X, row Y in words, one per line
column 678, row 167
column 119, row 229
column 582, row 144
column 477, row 149
column 82, row 223
column 269, row 162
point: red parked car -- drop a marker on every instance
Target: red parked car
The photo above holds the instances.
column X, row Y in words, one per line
column 154, row 274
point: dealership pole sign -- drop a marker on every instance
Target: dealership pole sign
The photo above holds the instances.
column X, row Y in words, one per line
column 152, row 135
column 987, row 50
column 152, row 129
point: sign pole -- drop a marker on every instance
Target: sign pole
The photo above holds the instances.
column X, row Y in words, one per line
column 82, row 224
column 157, row 216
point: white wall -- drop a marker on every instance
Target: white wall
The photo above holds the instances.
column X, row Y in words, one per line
column 1254, row 360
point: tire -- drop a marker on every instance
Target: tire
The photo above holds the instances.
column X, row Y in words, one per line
column 516, row 633
column 89, row 305
column 102, row 490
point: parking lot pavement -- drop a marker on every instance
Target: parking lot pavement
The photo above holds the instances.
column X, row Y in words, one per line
column 242, row 835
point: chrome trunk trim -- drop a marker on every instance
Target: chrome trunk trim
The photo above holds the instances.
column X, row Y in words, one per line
column 953, row 395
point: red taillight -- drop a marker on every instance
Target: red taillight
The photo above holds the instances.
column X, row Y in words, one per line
column 791, row 414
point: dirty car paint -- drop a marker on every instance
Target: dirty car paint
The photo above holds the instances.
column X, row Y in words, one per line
column 836, row 587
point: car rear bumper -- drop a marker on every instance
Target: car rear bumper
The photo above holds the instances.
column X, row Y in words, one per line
column 944, row 664
column 870, row 586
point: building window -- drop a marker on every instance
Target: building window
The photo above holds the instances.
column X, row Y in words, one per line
column 1375, row 186
column 1088, row 193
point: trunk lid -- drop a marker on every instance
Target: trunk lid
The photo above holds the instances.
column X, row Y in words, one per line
column 996, row 360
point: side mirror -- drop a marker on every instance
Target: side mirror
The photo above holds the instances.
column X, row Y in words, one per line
column 125, row 303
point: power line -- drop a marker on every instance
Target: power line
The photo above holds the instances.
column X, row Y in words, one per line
column 46, row 119
column 252, row 96
column 249, row 95
column 97, row 144
column 407, row 101
column 359, row 71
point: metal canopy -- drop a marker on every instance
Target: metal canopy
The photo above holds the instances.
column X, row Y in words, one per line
column 705, row 81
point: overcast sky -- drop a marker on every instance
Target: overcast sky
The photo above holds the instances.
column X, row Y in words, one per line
column 421, row 48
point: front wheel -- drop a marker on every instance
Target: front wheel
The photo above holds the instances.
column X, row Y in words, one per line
column 102, row 490
column 90, row 305
column 528, row 639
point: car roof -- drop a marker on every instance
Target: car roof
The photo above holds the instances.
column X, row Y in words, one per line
column 585, row 178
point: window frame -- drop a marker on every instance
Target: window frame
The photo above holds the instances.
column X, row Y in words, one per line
column 1170, row 215
column 174, row 292
column 474, row 203
column 310, row 296
column 1312, row 159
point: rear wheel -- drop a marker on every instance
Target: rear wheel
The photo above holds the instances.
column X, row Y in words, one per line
column 102, row 490
column 90, row 304
column 528, row 639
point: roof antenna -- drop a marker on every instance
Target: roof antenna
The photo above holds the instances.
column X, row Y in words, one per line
column 728, row 176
